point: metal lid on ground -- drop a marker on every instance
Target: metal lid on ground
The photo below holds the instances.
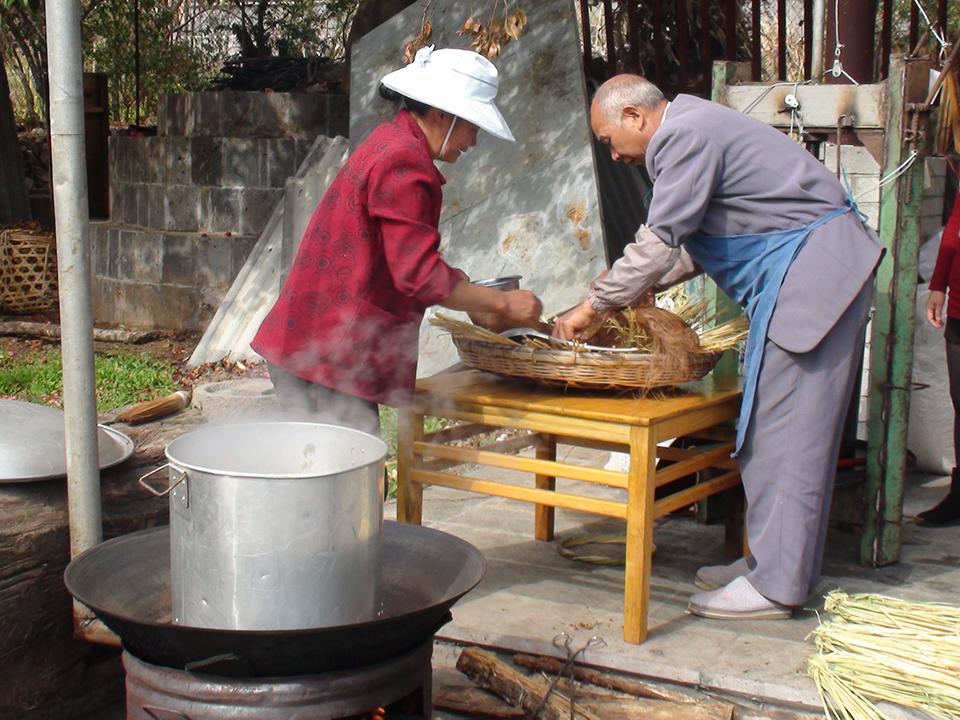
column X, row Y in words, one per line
column 33, row 445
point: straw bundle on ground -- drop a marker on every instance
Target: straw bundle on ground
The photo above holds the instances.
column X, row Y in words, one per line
column 883, row 649
column 637, row 348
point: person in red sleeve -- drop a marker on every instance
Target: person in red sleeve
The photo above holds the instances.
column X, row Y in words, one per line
column 343, row 335
column 946, row 275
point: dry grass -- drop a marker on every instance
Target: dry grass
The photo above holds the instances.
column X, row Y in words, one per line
column 881, row 648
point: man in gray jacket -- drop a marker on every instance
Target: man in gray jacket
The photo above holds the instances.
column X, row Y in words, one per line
column 744, row 203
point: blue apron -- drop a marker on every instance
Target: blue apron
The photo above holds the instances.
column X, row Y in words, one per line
column 750, row 269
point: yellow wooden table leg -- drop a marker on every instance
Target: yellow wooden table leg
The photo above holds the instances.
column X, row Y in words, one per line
column 409, row 493
column 544, row 514
column 641, row 484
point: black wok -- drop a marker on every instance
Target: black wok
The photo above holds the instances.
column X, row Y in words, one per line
column 126, row 582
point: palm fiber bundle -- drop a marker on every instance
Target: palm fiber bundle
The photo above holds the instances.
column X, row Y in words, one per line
column 637, row 348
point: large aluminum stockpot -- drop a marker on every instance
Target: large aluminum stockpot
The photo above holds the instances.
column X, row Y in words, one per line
column 275, row 526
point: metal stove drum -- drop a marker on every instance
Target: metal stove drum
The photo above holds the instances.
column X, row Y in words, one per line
column 231, row 641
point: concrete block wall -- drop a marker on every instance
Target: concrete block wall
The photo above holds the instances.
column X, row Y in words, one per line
column 863, row 175
column 253, row 115
column 187, row 206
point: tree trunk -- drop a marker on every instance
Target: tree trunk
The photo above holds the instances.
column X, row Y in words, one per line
column 14, row 203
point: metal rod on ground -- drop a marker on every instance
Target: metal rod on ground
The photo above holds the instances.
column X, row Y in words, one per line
column 73, row 259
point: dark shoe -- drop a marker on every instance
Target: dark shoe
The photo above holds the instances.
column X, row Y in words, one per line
column 946, row 513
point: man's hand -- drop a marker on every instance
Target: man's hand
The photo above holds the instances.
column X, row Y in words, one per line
column 523, row 307
column 935, row 308
column 580, row 323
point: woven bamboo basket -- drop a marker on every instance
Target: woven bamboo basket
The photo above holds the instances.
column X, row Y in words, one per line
column 586, row 369
column 28, row 271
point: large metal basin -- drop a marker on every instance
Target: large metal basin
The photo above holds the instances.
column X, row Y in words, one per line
column 126, row 582
column 33, row 445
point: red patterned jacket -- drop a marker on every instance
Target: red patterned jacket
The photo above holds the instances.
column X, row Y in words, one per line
column 946, row 273
column 349, row 314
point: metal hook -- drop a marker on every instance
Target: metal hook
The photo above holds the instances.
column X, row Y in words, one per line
column 566, row 641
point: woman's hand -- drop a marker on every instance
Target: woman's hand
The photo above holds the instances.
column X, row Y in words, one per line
column 580, row 323
column 935, row 302
column 523, row 307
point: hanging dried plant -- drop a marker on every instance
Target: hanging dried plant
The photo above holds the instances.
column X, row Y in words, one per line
column 421, row 40
column 490, row 37
column 948, row 128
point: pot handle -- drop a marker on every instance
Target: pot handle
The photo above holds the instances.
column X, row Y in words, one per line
column 142, row 482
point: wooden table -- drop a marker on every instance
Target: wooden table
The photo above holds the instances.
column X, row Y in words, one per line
column 483, row 402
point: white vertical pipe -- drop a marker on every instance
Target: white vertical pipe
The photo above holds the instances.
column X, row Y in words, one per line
column 819, row 39
column 65, row 60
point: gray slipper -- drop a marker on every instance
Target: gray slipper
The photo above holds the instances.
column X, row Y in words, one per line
column 713, row 577
column 738, row 600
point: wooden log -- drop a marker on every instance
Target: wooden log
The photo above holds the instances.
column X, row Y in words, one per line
column 151, row 439
column 45, row 671
column 637, row 688
column 22, row 328
column 623, row 707
column 518, row 690
column 474, row 702
column 604, row 703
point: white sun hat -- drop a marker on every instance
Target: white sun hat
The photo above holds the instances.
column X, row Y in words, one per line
column 460, row 82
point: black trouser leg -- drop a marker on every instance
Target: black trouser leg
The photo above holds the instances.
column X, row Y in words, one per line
column 948, row 510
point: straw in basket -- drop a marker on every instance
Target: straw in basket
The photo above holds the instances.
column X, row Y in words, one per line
column 655, row 349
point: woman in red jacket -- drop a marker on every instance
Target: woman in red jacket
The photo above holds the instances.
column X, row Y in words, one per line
column 946, row 275
column 343, row 335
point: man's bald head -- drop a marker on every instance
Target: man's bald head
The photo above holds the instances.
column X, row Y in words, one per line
column 624, row 115
column 623, row 91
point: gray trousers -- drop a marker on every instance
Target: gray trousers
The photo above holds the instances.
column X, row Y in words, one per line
column 304, row 401
column 789, row 457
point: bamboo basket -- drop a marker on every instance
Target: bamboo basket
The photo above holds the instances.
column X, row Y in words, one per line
column 585, row 369
column 28, row 271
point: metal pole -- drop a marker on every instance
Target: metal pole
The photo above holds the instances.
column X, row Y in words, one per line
column 819, row 37
column 65, row 62
column 856, row 37
column 136, row 55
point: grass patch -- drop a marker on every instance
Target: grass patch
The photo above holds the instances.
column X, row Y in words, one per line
column 122, row 378
column 388, row 432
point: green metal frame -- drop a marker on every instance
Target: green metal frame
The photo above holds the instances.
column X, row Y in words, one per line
column 891, row 357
